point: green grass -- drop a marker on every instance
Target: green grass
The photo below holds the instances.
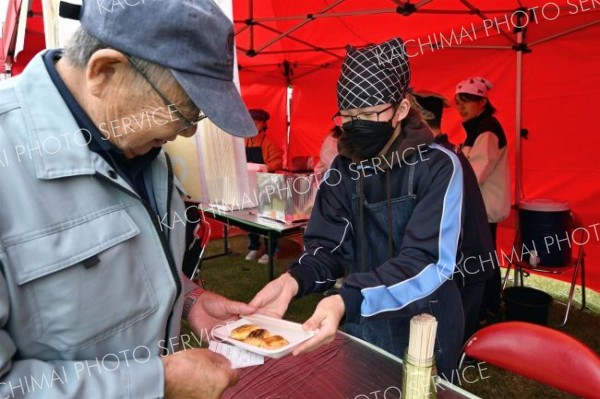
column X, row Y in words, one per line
column 238, row 279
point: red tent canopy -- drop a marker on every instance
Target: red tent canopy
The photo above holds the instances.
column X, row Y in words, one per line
column 547, row 77
column 9, row 31
column 2, row 62
column 550, row 87
column 34, row 35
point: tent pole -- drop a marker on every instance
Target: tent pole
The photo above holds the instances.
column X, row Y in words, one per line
column 243, row 28
column 251, row 17
column 518, row 111
column 308, row 19
column 564, row 33
column 288, row 123
column 371, row 12
column 289, row 36
column 483, row 16
column 467, row 47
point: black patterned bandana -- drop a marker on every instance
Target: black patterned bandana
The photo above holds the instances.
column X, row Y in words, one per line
column 373, row 75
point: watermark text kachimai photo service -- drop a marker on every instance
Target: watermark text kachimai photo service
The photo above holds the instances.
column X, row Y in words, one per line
column 469, row 33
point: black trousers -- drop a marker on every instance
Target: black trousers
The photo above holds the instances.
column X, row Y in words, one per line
column 472, row 297
column 493, row 286
column 392, row 333
column 190, row 258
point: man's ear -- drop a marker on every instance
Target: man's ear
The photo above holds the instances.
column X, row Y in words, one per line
column 106, row 67
column 402, row 110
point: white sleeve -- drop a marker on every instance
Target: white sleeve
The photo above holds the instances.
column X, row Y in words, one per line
column 483, row 155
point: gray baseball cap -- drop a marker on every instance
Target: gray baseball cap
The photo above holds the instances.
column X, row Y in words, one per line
column 193, row 38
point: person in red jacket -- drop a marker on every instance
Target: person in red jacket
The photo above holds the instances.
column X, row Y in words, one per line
column 261, row 149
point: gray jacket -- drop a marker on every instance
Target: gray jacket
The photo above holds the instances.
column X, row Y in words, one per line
column 89, row 297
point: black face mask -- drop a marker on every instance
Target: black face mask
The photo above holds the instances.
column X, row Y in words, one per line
column 369, row 137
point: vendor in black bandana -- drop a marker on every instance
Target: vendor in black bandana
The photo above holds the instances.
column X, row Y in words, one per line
column 390, row 230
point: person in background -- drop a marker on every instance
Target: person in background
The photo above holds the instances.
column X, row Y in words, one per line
column 329, row 149
column 390, row 224
column 91, row 245
column 474, row 260
column 262, row 150
column 486, row 149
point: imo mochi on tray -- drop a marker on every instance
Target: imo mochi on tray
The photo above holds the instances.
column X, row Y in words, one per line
column 292, row 332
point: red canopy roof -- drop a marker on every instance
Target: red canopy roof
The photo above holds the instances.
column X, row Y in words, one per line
column 9, row 31
column 302, row 43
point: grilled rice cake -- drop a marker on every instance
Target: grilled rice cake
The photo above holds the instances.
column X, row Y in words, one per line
column 257, row 337
column 274, row 342
column 241, row 333
column 254, row 335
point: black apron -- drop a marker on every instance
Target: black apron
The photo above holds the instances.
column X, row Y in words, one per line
column 392, row 333
column 254, row 154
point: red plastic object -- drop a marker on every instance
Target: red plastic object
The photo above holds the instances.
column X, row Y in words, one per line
column 202, row 234
column 539, row 353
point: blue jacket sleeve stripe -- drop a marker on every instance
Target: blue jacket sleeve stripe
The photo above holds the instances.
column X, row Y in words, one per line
column 381, row 299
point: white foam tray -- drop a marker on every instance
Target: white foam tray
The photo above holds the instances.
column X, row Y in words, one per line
column 289, row 330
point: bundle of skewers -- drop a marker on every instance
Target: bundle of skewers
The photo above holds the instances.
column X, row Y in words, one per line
column 419, row 360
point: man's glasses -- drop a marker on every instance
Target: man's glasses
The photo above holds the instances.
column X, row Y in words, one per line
column 340, row 120
column 189, row 124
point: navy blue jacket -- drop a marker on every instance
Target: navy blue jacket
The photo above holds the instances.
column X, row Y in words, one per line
column 427, row 255
column 475, row 258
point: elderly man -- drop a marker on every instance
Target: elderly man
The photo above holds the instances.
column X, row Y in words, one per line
column 91, row 289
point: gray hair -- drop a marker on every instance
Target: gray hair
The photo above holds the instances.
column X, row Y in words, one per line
column 81, row 46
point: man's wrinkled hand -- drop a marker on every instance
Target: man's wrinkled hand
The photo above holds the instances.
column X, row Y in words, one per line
column 197, row 374
column 212, row 310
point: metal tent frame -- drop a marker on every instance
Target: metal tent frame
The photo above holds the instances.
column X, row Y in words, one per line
column 516, row 41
